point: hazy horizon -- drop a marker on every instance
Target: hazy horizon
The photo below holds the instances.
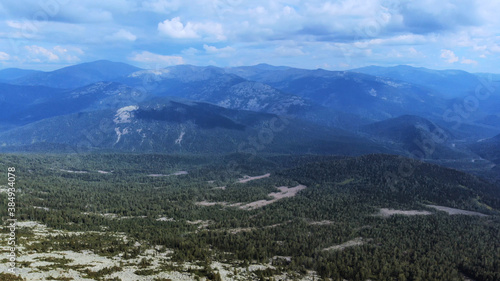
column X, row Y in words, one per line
column 209, row 65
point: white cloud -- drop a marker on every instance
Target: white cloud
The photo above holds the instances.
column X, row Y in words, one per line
column 161, row 6
column 219, row 51
column 56, row 54
column 449, row 56
column 347, row 8
column 14, row 24
column 406, row 39
column 288, row 51
column 81, row 12
column 41, row 54
column 480, row 48
column 414, row 53
column 287, row 10
column 68, row 54
column 488, row 11
column 267, row 21
column 394, row 54
column 176, row 29
column 122, row 35
column 4, row 56
column 468, row 61
column 24, row 29
column 150, row 58
column 190, row 51
column 323, row 66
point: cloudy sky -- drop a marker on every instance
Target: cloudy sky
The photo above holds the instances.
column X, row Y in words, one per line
column 336, row 34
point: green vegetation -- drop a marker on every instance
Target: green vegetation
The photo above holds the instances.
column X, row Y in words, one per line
column 59, row 278
column 98, row 275
column 346, row 192
column 10, row 277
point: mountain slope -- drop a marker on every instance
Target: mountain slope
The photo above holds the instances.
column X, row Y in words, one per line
column 214, row 85
column 416, row 136
column 380, row 176
column 218, row 86
column 26, row 104
column 367, row 96
column 192, row 127
column 78, row 75
column 16, row 99
column 15, row 73
column 256, row 72
column 488, row 149
column 451, row 83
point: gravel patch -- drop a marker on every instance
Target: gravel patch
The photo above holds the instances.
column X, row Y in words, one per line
column 285, row 192
column 178, row 173
column 249, row 178
column 351, row 243
column 453, row 211
column 384, row 212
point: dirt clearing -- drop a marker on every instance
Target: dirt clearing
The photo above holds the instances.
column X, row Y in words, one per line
column 384, row 212
column 285, row 192
column 453, row 211
column 351, row 243
column 249, row 178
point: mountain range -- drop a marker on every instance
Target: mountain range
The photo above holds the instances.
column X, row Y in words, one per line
column 194, row 109
column 449, row 83
column 417, row 136
column 76, row 75
column 10, row 74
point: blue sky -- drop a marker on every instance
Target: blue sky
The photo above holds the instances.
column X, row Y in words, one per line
column 335, row 35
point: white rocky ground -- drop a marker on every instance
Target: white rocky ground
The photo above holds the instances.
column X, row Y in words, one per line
column 37, row 266
column 71, row 171
column 246, row 229
column 284, row 192
column 323, row 222
column 384, row 212
column 351, row 243
column 249, row 178
column 178, row 173
column 453, row 211
column 390, row 212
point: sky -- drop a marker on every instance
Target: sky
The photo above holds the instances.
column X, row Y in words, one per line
column 333, row 35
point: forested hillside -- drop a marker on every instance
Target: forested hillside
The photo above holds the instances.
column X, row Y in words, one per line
column 369, row 217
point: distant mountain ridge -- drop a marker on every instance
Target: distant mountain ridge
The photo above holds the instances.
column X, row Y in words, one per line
column 450, row 83
column 488, row 149
column 15, row 73
column 17, row 103
column 214, row 85
column 175, row 127
column 24, row 104
column 416, row 136
column 212, row 108
column 365, row 95
column 77, row 75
